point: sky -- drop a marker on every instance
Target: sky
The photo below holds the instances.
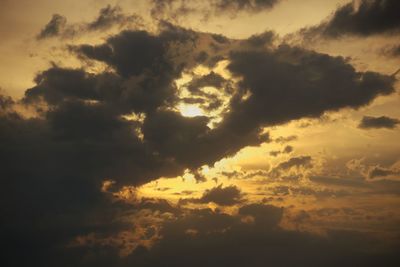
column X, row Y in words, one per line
column 200, row 133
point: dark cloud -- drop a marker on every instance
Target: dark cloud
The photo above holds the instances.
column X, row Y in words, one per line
column 53, row 28
column 381, row 172
column 207, row 238
column 5, row 102
column 267, row 216
column 134, row 52
column 224, row 196
column 175, row 9
column 286, row 150
column 159, row 205
column 259, row 40
column 110, row 16
column 396, row 51
column 130, row 52
column 56, row 85
column 391, row 51
column 362, row 18
column 247, row 5
column 161, row 130
column 212, row 79
column 305, row 83
column 369, row 122
column 285, row 139
column 107, row 18
column 302, row 161
column 275, row 153
column 209, row 101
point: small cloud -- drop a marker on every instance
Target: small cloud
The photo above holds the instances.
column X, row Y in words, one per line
column 224, row 196
column 369, row 122
column 55, row 26
column 377, row 171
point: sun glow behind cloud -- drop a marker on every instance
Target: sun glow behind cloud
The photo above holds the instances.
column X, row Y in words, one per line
column 190, row 110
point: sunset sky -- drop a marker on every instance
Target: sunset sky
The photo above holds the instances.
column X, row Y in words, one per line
column 200, row 133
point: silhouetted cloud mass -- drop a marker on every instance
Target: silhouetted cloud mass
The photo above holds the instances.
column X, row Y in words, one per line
column 53, row 28
column 70, row 169
column 361, row 18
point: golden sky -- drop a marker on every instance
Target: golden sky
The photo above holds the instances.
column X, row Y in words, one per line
column 200, row 133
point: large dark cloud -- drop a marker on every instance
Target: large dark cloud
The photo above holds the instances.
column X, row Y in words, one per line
column 252, row 237
column 291, row 83
column 362, row 18
column 369, row 122
column 130, row 52
column 51, row 179
column 175, row 136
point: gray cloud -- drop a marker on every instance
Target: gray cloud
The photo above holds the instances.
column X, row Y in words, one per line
column 107, row 18
column 285, row 139
column 369, row 122
column 175, row 9
column 302, row 161
column 288, row 149
column 361, row 18
column 222, row 239
column 224, row 196
column 110, row 16
column 317, row 83
column 377, row 171
column 55, row 27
